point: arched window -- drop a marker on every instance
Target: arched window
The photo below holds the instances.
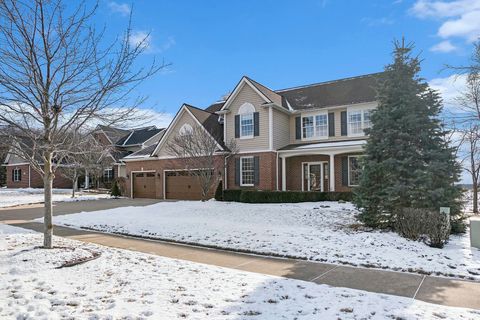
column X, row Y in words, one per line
column 246, row 111
column 186, row 129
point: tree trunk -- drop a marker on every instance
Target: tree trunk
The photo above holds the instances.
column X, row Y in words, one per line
column 475, row 197
column 48, row 214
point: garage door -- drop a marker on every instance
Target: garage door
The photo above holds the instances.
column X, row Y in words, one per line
column 181, row 185
column 144, row 185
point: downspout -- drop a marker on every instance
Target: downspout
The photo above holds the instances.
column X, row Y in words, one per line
column 226, row 171
column 29, row 176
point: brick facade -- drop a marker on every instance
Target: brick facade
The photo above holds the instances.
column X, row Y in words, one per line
column 267, row 175
column 32, row 179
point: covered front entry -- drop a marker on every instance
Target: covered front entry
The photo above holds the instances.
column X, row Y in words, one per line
column 321, row 167
column 144, row 185
column 182, row 185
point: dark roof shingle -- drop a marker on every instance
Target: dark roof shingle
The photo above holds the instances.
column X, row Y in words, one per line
column 333, row 93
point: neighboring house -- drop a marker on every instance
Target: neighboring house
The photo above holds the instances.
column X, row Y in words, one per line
column 123, row 142
column 306, row 138
column 120, row 143
column 20, row 173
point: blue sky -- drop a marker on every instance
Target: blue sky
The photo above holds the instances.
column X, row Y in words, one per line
column 211, row 44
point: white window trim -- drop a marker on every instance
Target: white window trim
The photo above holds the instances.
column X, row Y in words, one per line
column 17, row 175
column 247, row 109
column 349, row 184
column 314, row 115
column 250, row 136
column 108, row 170
column 362, row 121
column 241, row 172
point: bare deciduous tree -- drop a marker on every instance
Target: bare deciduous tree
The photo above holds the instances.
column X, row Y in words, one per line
column 468, row 120
column 57, row 74
column 85, row 152
column 201, row 154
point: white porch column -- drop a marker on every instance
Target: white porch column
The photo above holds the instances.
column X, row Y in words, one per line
column 331, row 178
column 284, row 174
column 87, row 180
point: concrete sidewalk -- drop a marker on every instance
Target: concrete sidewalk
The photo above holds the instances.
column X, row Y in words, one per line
column 449, row 292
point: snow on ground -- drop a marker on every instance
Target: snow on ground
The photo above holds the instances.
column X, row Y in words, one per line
column 15, row 197
column 131, row 285
column 314, row 231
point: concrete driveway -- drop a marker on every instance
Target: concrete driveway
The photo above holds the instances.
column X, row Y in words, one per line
column 34, row 211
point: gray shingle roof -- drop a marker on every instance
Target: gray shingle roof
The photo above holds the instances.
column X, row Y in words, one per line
column 333, row 93
column 147, row 151
column 138, row 136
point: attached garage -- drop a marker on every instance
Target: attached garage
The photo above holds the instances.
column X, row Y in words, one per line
column 181, row 185
column 144, row 185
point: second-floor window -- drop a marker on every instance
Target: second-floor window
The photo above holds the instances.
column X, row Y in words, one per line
column 358, row 121
column 246, row 125
column 246, row 112
column 315, row 126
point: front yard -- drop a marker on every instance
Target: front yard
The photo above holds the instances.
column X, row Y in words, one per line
column 16, row 197
column 315, row 231
column 130, row 285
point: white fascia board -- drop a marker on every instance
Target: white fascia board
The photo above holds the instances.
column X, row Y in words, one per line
column 235, row 92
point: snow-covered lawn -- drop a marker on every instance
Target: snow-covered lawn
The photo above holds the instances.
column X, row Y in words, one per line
column 315, row 231
column 128, row 285
column 15, row 197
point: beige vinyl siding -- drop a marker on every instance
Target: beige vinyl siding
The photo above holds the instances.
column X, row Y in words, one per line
column 338, row 133
column 260, row 142
column 185, row 117
column 281, row 129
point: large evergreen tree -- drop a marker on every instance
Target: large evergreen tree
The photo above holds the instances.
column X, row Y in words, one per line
column 407, row 162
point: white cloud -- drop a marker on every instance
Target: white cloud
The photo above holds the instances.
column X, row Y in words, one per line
column 145, row 40
column 466, row 26
column 450, row 88
column 460, row 18
column 121, row 8
column 141, row 38
column 444, row 9
column 155, row 118
column 444, row 46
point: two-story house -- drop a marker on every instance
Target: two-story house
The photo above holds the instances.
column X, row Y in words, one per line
column 306, row 138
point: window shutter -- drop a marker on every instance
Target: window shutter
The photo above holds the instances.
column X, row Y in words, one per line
column 331, row 124
column 256, row 166
column 237, row 171
column 256, row 124
column 343, row 117
column 345, row 171
column 19, row 174
column 298, row 128
column 13, row 174
column 237, row 126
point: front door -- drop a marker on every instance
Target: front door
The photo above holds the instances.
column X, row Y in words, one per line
column 314, row 176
